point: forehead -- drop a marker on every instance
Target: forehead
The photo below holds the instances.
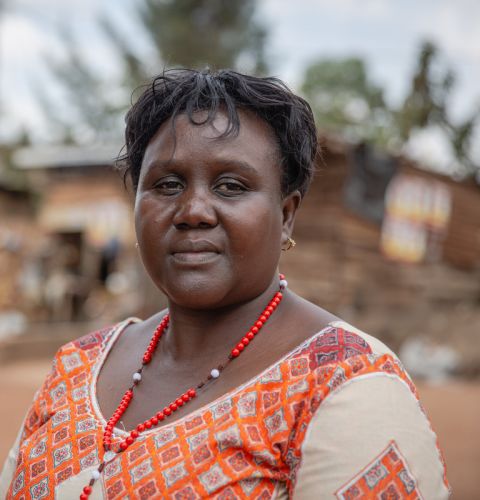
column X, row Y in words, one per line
column 255, row 143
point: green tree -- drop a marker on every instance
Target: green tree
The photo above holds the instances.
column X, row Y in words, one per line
column 428, row 103
column 92, row 106
column 190, row 33
column 344, row 100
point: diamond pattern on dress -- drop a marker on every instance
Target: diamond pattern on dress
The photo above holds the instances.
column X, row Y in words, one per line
column 71, row 361
column 222, row 408
column 270, row 398
column 85, row 425
column 62, row 454
column 247, row 404
column 171, row 453
column 60, row 417
column 276, row 423
column 39, row 449
column 186, row 493
column 238, row 461
column 60, row 435
column 58, row 391
column 89, row 460
column 201, row 454
column 240, row 446
column 299, row 366
column 197, row 439
column 249, row 484
column 174, row 474
column 214, row 479
column 18, row 483
column 387, row 477
column 141, row 470
column 116, row 490
column 148, row 490
column 38, row 468
column 165, row 436
column 112, row 468
column 80, row 393
column 272, row 375
column 193, row 423
column 229, row 438
column 136, row 453
column 63, row 474
column 86, row 442
column 40, row 489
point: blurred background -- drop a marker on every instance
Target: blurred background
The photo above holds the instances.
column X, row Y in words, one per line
column 388, row 237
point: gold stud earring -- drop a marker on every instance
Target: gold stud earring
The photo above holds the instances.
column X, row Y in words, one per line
column 136, row 244
column 290, row 243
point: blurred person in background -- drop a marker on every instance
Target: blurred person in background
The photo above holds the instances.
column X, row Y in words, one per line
column 241, row 389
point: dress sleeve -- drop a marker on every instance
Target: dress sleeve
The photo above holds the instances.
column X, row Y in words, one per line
column 35, row 417
column 9, row 466
column 370, row 439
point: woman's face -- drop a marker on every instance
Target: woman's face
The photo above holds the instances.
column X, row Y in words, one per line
column 209, row 214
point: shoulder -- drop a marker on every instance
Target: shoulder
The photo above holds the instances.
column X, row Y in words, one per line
column 72, row 366
column 371, row 436
column 364, row 429
column 89, row 346
column 337, row 343
column 338, row 340
column 376, row 346
column 340, row 356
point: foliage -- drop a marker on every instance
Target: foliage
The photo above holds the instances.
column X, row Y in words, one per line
column 427, row 103
column 189, row 33
column 346, row 102
column 193, row 33
column 92, row 108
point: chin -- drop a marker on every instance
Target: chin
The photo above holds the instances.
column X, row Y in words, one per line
column 196, row 291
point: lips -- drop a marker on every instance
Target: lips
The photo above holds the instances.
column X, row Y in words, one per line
column 194, row 246
column 195, row 252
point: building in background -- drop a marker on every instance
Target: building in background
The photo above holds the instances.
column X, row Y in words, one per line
column 359, row 253
column 80, row 264
column 382, row 243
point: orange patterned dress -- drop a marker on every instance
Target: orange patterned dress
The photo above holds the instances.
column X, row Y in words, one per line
column 337, row 417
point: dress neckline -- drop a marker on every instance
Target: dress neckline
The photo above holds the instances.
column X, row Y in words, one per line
column 119, row 328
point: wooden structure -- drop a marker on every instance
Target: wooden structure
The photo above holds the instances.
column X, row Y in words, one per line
column 340, row 261
column 339, row 264
column 17, row 232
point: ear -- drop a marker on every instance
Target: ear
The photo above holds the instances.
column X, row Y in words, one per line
column 290, row 206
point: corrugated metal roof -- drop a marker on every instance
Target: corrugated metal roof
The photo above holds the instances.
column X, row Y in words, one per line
column 43, row 157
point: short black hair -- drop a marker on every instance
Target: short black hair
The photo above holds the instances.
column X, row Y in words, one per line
column 186, row 91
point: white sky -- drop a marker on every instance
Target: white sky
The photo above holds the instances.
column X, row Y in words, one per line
column 386, row 33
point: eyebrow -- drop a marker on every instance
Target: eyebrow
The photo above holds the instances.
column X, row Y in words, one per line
column 238, row 164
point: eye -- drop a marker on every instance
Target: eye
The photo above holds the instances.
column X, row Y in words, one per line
column 169, row 187
column 230, row 187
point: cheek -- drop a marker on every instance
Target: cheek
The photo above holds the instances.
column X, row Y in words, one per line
column 257, row 232
column 255, row 250
column 150, row 229
column 139, row 214
column 147, row 217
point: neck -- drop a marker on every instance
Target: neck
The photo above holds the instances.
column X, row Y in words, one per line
column 195, row 335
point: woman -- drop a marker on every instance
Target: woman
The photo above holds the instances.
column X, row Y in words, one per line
column 241, row 389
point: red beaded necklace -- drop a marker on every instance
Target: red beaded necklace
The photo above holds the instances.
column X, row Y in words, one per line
column 177, row 403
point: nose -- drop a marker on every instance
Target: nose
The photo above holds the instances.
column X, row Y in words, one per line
column 195, row 210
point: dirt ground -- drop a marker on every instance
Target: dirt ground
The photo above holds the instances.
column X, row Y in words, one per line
column 453, row 407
